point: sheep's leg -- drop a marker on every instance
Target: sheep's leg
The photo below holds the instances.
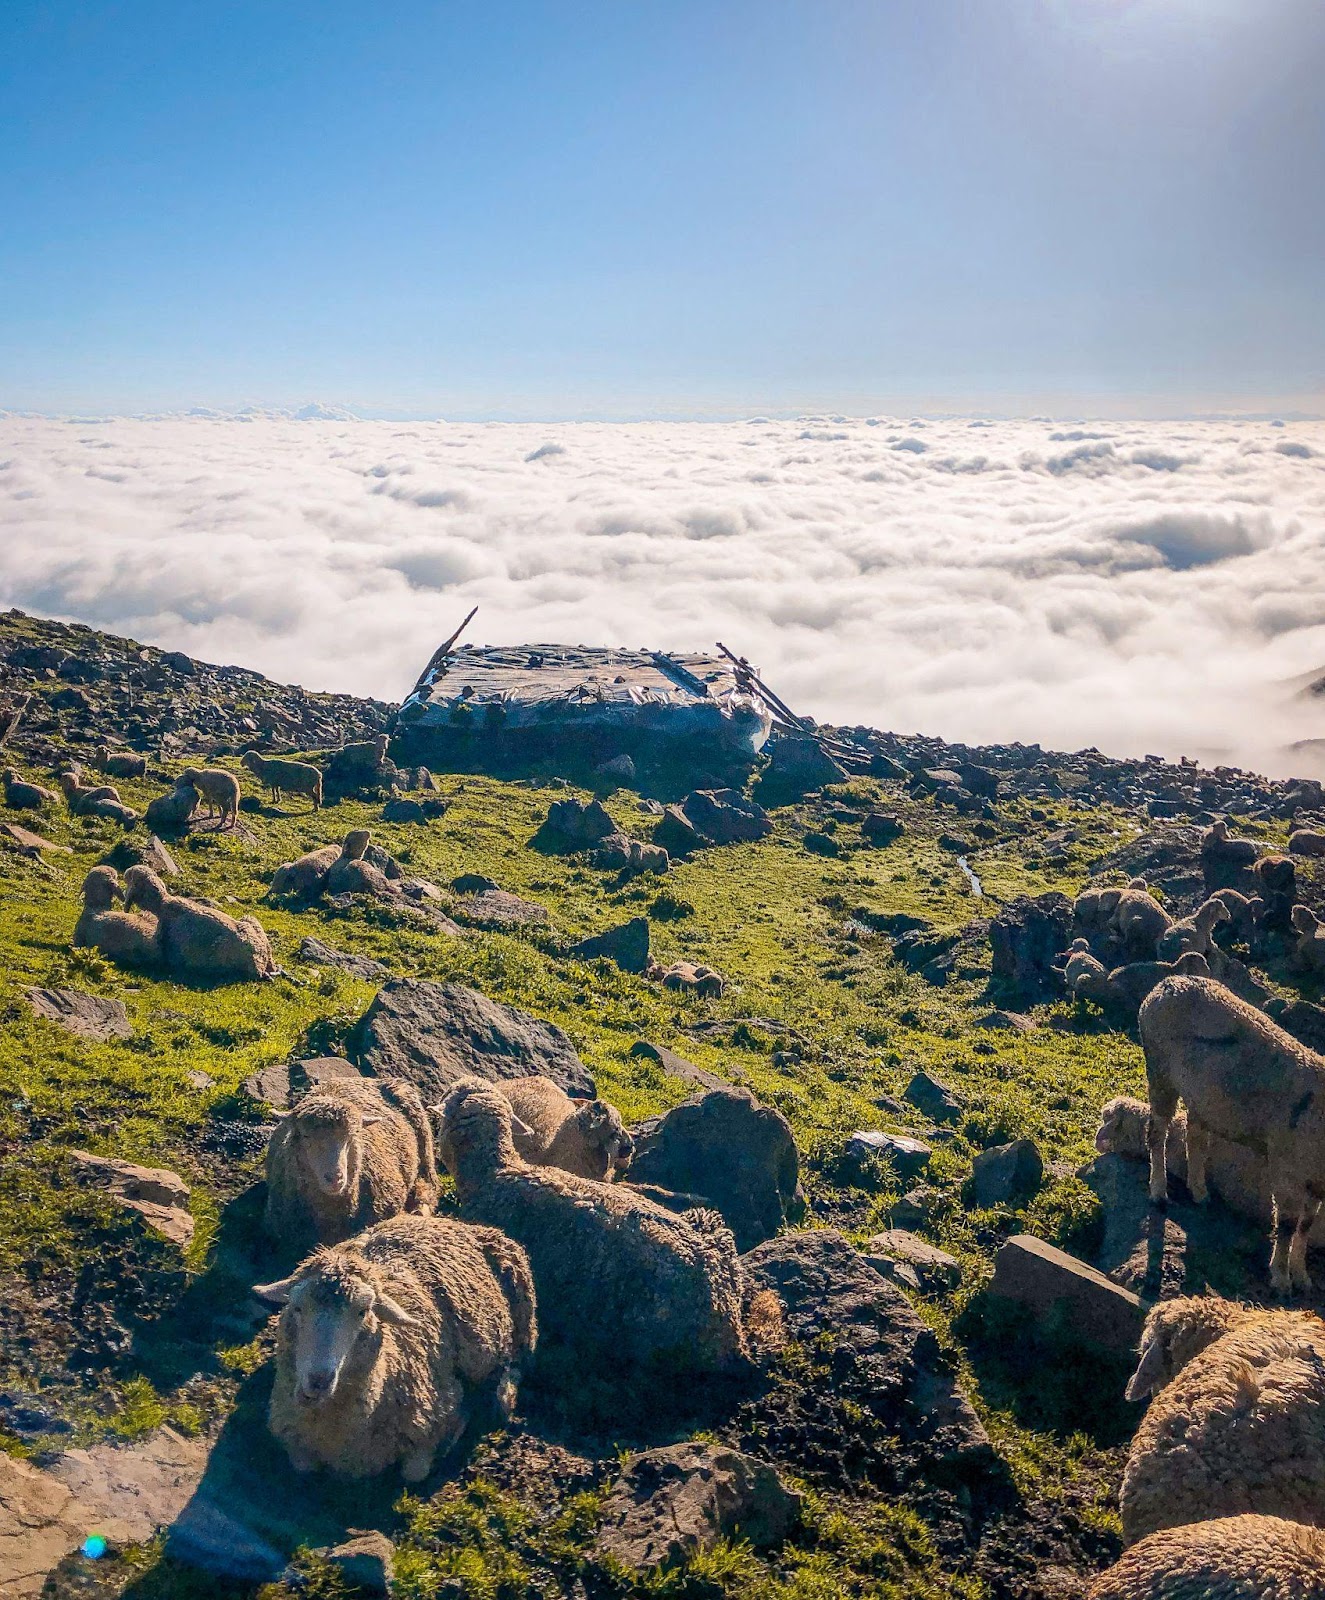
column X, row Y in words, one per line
column 1157, row 1138
column 1297, row 1251
column 1198, row 1154
column 1281, row 1280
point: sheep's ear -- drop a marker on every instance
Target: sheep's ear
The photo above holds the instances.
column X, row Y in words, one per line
column 372, row 1118
column 274, row 1294
column 1149, row 1374
column 521, row 1129
column 392, row 1311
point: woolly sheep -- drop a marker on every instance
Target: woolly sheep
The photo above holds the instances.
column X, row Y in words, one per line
column 386, row 1340
column 285, row 777
column 1093, row 909
column 1123, row 989
column 353, row 1152
column 685, row 975
column 306, row 876
column 1240, row 1076
column 1244, row 913
column 131, row 940
column 170, row 813
column 1230, row 1558
column 1238, row 1420
column 1309, row 950
column 351, row 874
column 1306, row 842
column 219, row 788
column 1139, row 920
column 198, row 941
column 1237, row 1174
column 615, row 1272
column 586, row 1137
column 1195, row 932
column 101, row 801
column 1276, row 877
column 21, row 796
column 121, row 763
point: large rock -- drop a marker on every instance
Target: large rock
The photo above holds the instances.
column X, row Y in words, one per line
column 318, row 954
column 86, row 1016
column 129, row 1492
column 796, row 767
column 932, row 1099
column 725, row 816
column 897, row 1253
column 737, row 1154
column 573, row 824
column 1026, row 937
column 159, row 1196
column 627, row 945
column 1065, row 1295
column 283, row 1084
column 491, row 907
column 435, row 1033
column 676, row 1501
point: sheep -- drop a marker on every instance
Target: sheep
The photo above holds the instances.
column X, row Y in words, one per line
column 21, row 796
column 170, row 813
column 219, row 788
column 128, row 939
column 586, row 1137
column 351, row 874
column 1238, row 1420
column 121, row 763
column 1093, row 909
column 102, row 801
column 1139, row 920
column 1195, row 932
column 385, row 1342
column 1238, row 1175
column 1226, row 862
column 1229, row 1558
column 1244, row 913
column 306, row 876
column 1242, row 1077
column 1080, row 961
column 353, row 1152
column 615, row 1272
column 1306, row 842
column 1309, row 950
column 198, row 941
column 685, row 975
column 285, row 777
column 1277, row 879
column 1123, row 989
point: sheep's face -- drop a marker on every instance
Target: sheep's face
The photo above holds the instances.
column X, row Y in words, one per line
column 606, row 1135
column 330, row 1318
column 143, row 888
column 327, row 1143
column 253, row 761
column 1175, row 1333
column 100, row 889
column 1122, row 1129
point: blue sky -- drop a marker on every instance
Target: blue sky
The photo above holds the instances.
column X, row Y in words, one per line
column 663, row 208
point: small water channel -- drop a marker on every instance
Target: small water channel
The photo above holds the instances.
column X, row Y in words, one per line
column 971, row 878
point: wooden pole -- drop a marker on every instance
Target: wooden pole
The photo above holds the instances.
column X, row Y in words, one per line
column 442, row 651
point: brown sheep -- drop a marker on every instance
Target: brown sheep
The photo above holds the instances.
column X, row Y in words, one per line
column 198, row 941
column 21, row 796
column 1306, row 842
column 1140, row 921
column 130, row 940
column 586, row 1137
column 101, row 801
column 1229, row 1558
column 351, row 874
column 693, row 979
column 285, row 777
column 219, row 788
column 1309, row 950
column 121, row 763
column 305, row 877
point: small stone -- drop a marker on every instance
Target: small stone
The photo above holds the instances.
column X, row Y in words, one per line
column 322, row 955
column 886, row 1251
column 627, row 945
column 677, row 1066
column 621, row 769
column 915, row 1207
column 1011, row 1021
column 1005, row 1174
column 86, row 1016
column 401, row 810
column 930, row 1098
column 159, row 1196
column 909, row 1157
column 365, row 1561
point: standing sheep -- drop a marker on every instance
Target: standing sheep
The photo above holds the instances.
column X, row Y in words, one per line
column 615, row 1272
column 129, row 939
column 354, row 1152
column 219, row 788
column 1242, row 1077
column 386, row 1340
column 586, row 1137
column 285, row 777
column 1196, row 932
column 1244, row 914
column 1232, row 1558
column 198, row 941
column 1238, row 1420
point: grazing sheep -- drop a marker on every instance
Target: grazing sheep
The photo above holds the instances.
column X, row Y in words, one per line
column 354, row 1152
column 1139, row 920
column 1238, row 1420
column 386, row 1340
column 586, row 1137
column 1306, row 842
column 121, row 763
column 21, row 796
column 1240, row 1076
column 198, row 941
column 285, row 777
column 351, row 874
column 102, row 801
column 219, row 788
column 686, row 976
column 129, row 940
column 1230, row 1558
column 1195, row 932
column 170, row 813
column 305, row 877
column 1123, row 989
column 615, row 1272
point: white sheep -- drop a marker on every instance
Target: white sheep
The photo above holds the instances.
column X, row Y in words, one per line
column 386, row 1340
column 128, row 938
column 1230, row 1558
column 586, row 1137
column 219, row 788
column 1238, row 1420
column 1195, row 932
column 1244, row 913
column 305, row 876
column 22, row 796
column 1240, row 1076
column 1306, row 842
column 121, row 763
column 103, row 800
column 198, row 941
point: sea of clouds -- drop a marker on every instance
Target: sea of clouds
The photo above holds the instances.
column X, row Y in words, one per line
column 1134, row 586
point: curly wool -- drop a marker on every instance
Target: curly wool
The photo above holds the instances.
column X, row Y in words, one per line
column 587, row 1137
column 1230, row 1558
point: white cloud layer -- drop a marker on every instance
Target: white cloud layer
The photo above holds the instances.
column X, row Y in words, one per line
column 1139, row 586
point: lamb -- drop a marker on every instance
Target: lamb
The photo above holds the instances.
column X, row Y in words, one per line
column 1139, row 920
column 1080, row 962
column 386, row 1342
column 129, row 940
column 1242, row 1077
column 198, row 941
column 1238, row 1423
column 352, row 1153
column 1230, row 1558
column 685, row 975
column 170, row 813
column 616, row 1273
column 285, row 777
column 1306, row 842
column 102, row 801
column 305, row 877
column 351, row 874
column 586, row 1137
column 219, row 788
column 1309, row 950
column 121, row 763
column 1195, row 932
column 21, row 796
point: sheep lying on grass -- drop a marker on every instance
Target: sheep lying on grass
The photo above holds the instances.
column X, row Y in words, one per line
column 129, row 939
column 21, row 796
column 285, row 777
column 615, row 1272
column 121, row 763
column 352, row 1153
column 386, row 1341
column 198, row 941
column 351, row 874
column 1195, row 932
column 102, row 800
column 1237, row 1174
column 690, row 978
column 1232, row 1558
column 1309, row 948
column 1238, row 1420
column 219, row 788
column 305, row 876
column 586, row 1137
column 1240, row 1076
column 170, row 813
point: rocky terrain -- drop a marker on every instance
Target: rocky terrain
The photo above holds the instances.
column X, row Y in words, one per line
column 884, row 1086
